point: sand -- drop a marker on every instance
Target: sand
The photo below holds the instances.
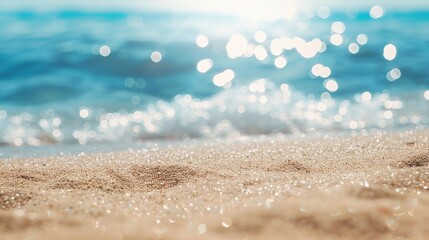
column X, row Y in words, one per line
column 372, row 186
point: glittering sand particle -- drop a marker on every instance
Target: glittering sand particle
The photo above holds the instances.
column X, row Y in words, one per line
column 355, row 187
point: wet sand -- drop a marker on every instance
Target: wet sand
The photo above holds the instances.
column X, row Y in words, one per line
column 351, row 187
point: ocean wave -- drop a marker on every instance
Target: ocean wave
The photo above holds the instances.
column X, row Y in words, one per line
column 261, row 108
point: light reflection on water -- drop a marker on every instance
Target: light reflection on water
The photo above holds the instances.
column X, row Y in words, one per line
column 115, row 77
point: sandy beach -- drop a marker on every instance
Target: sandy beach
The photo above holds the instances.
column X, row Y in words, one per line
column 216, row 119
column 372, row 186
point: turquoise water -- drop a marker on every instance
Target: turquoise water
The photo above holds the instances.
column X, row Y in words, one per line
column 83, row 77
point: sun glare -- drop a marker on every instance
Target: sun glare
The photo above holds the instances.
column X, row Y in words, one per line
column 269, row 10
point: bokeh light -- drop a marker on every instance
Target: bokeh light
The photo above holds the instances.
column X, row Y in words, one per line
column 337, row 39
column 260, row 36
column 318, row 70
column 237, row 46
column 261, row 53
column 204, row 65
column 366, row 96
column 331, row 85
column 376, row 11
column 389, row 52
column 353, row 48
column 393, row 74
column 104, row 51
column 324, row 12
column 426, row 94
column 258, row 86
column 156, row 56
column 224, row 78
column 202, row 41
column 362, row 39
column 338, row 27
column 280, row 62
column 84, row 113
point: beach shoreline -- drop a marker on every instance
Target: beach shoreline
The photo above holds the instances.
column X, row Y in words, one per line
column 372, row 186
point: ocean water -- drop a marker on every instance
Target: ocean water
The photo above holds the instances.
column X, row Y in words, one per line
column 76, row 77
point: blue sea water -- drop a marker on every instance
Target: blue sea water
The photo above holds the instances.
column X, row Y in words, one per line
column 83, row 77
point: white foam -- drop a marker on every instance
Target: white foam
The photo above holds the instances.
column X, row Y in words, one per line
column 235, row 112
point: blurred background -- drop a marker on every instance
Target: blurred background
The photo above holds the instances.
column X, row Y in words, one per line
column 82, row 72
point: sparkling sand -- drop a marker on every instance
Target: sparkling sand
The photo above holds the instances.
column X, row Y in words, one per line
column 350, row 187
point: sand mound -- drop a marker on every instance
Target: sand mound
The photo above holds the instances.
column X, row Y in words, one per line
column 108, row 178
column 419, row 160
column 158, row 177
column 289, row 166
